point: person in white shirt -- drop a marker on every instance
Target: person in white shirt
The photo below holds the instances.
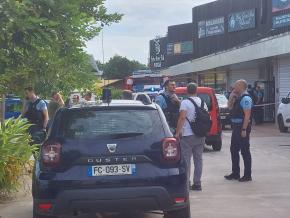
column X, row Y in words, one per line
column 191, row 145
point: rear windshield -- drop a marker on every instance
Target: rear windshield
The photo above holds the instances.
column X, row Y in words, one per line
column 111, row 124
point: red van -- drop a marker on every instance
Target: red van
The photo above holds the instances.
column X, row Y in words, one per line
column 214, row 137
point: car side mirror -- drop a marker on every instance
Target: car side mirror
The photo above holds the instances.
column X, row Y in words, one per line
column 285, row 100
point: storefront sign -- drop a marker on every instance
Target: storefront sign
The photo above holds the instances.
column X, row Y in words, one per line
column 180, row 48
column 211, row 27
column 170, row 49
column 215, row 26
column 187, row 47
column 157, row 52
column 280, row 5
column 201, row 29
column 242, row 20
column 281, row 21
column 177, row 48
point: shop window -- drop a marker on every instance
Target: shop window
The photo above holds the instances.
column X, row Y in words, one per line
column 217, row 81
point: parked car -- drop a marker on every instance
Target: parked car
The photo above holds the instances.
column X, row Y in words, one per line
column 115, row 158
column 143, row 97
column 224, row 110
column 214, row 137
column 13, row 107
column 283, row 115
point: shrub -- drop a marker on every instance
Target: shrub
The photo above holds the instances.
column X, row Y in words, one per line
column 15, row 152
column 117, row 93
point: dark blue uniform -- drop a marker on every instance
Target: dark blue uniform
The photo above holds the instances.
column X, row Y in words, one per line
column 238, row 143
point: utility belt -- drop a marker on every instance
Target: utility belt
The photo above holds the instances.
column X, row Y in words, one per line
column 239, row 126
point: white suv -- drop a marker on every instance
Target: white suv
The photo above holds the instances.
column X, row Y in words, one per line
column 283, row 115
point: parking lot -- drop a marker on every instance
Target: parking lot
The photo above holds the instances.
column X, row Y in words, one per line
column 267, row 196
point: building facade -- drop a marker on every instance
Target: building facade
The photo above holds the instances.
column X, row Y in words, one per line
column 232, row 40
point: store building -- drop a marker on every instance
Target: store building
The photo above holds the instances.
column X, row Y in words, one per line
column 232, row 40
column 180, row 44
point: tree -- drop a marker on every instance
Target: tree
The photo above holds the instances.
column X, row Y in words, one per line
column 42, row 41
column 119, row 67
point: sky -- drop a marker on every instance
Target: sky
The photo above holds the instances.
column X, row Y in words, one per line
column 143, row 20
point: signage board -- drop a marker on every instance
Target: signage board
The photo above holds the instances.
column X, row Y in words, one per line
column 158, row 48
column 280, row 5
column 170, row 49
column 180, row 48
column 187, row 47
column 215, row 26
column 281, row 20
column 201, row 29
column 211, row 27
column 177, row 48
column 242, row 20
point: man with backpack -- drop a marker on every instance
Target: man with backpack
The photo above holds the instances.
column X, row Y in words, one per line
column 35, row 111
column 169, row 103
column 193, row 124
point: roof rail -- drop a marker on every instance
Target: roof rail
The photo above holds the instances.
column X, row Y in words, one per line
column 87, row 104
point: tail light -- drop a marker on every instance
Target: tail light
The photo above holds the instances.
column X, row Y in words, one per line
column 171, row 150
column 179, row 200
column 51, row 154
column 45, row 207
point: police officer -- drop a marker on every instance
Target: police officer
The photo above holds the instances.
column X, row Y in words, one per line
column 35, row 111
column 258, row 110
column 169, row 103
column 241, row 120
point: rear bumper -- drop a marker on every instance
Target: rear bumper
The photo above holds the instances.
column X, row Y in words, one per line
column 225, row 117
column 226, row 121
column 111, row 200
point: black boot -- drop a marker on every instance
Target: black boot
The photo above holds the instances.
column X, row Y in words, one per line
column 232, row 177
column 196, row 187
column 245, row 179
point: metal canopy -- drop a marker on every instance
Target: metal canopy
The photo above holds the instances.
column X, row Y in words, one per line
column 268, row 47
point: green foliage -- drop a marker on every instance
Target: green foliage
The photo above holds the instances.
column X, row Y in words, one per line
column 42, row 41
column 117, row 93
column 15, row 152
column 119, row 67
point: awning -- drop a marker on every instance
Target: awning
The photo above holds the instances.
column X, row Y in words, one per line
column 268, row 47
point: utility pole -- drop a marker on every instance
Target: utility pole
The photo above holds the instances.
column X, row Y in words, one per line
column 103, row 50
column 2, row 109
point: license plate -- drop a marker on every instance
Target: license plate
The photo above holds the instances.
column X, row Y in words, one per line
column 223, row 117
column 112, row 170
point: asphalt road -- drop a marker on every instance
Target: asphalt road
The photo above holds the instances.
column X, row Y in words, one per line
column 268, row 196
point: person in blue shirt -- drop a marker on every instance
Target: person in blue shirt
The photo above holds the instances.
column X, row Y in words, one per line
column 241, row 112
column 169, row 103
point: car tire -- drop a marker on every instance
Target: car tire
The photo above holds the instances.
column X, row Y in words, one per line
column 217, row 146
column 182, row 213
column 282, row 127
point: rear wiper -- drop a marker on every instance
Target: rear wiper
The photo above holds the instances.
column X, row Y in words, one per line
column 125, row 135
